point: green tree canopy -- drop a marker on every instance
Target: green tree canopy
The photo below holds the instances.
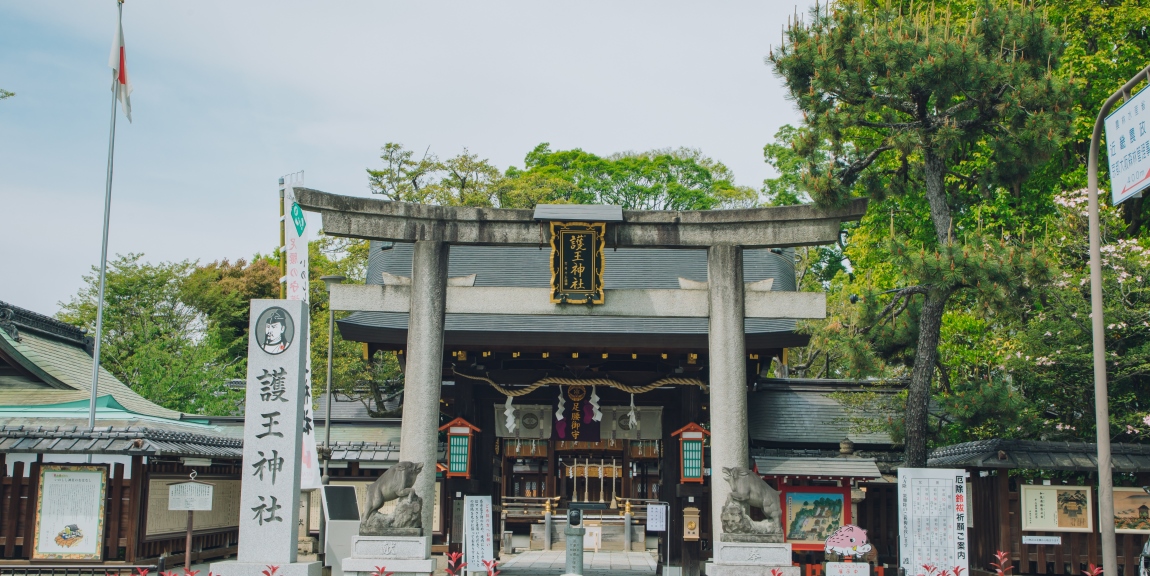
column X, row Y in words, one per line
column 222, row 291
column 679, row 179
column 938, row 111
column 153, row 340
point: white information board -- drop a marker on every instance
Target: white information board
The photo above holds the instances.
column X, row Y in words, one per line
column 477, row 531
column 190, row 496
column 932, row 508
column 1128, row 147
column 656, row 517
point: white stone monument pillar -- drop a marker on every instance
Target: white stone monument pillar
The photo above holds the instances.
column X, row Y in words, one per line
column 423, row 373
column 728, row 371
column 273, row 433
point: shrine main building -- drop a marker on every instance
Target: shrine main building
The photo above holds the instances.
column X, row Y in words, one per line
column 591, row 356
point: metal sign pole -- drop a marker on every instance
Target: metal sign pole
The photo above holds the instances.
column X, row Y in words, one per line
column 1101, row 401
column 188, row 546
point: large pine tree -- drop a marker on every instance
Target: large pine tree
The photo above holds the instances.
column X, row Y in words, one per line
column 906, row 99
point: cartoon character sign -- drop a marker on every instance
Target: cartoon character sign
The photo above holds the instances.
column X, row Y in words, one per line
column 848, row 540
column 274, row 330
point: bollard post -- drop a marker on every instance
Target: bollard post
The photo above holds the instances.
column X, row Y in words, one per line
column 547, row 530
column 574, row 532
column 627, row 532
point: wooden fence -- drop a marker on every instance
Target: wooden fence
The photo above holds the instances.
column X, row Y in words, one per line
column 124, row 534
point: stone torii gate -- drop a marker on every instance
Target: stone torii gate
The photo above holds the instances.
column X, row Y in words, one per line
column 725, row 300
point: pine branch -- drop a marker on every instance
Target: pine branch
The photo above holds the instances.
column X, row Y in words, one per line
column 891, row 125
column 848, row 175
column 901, row 295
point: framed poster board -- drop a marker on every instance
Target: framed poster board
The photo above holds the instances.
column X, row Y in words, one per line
column 1131, row 511
column 812, row 513
column 69, row 522
column 1057, row 508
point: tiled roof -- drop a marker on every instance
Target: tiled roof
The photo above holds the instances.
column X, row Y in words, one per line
column 518, row 266
column 372, row 452
column 804, row 412
column 46, row 349
column 1038, row 455
column 116, row 440
column 846, row 467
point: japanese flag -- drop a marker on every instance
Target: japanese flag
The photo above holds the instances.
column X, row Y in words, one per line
column 117, row 62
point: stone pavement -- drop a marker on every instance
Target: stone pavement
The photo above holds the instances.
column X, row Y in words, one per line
column 539, row 563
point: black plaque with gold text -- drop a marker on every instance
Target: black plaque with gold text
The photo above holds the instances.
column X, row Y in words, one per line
column 577, row 262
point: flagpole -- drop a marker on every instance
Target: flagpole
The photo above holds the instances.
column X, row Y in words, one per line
column 104, row 244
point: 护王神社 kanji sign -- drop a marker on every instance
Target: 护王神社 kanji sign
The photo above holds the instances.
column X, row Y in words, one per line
column 273, row 431
column 577, row 262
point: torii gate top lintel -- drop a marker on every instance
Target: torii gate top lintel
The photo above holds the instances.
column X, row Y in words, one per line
column 775, row 227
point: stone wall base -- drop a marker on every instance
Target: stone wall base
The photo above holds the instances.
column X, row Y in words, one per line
column 368, row 566
column 258, row 568
column 386, row 547
column 735, row 570
column 752, row 553
column 403, row 555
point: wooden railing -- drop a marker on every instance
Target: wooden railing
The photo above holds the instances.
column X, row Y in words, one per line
column 79, row 569
column 527, row 508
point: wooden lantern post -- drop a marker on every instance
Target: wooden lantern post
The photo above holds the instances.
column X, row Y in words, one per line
column 459, row 436
column 691, row 447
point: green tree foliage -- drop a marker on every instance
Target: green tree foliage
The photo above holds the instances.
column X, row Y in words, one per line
column 223, row 291
column 939, row 112
column 1051, row 356
column 369, row 381
column 1106, row 44
column 153, row 340
column 680, row 179
column 4, row 94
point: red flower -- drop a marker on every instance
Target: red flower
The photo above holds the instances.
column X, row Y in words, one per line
column 271, row 571
column 1093, row 570
column 192, row 572
column 381, row 571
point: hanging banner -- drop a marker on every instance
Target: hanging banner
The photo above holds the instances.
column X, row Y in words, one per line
column 295, row 250
column 932, row 508
column 578, row 422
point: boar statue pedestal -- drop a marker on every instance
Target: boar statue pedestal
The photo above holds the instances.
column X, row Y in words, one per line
column 748, row 547
column 396, row 540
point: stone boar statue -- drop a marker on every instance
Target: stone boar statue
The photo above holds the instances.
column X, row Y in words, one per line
column 393, row 484
column 747, row 488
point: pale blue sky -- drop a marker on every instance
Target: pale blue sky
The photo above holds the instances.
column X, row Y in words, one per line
column 231, row 95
